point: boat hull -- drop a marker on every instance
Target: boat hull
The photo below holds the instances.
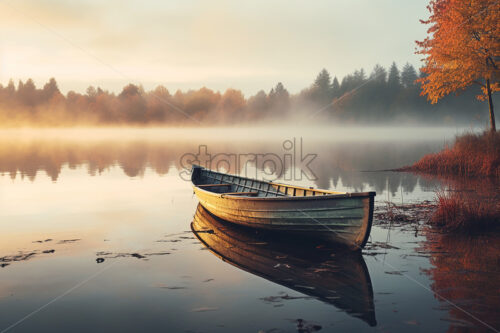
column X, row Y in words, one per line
column 341, row 219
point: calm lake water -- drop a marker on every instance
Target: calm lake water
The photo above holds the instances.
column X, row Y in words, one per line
column 96, row 236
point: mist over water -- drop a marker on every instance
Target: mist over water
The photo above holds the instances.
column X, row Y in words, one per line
column 383, row 97
column 345, row 158
column 108, row 111
column 75, row 201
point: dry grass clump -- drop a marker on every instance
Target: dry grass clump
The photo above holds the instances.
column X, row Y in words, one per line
column 461, row 211
column 471, row 155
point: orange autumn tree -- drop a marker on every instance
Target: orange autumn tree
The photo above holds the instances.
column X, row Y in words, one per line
column 463, row 47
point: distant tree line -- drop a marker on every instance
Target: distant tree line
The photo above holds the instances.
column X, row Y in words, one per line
column 383, row 96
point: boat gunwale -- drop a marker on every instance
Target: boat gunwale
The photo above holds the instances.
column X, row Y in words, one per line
column 327, row 194
column 289, row 198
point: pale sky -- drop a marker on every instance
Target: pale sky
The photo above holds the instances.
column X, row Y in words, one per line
column 247, row 45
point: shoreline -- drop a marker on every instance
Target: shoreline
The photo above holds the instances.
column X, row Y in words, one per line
column 471, row 155
column 471, row 158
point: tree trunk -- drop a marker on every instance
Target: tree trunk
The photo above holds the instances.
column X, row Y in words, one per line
column 490, row 102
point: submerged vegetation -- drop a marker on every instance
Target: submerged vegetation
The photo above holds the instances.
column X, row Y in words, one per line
column 471, row 157
column 456, row 210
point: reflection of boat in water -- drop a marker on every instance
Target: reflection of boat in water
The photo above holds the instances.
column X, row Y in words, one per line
column 340, row 217
column 339, row 278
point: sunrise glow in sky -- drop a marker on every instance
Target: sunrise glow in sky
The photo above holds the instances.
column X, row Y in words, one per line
column 248, row 45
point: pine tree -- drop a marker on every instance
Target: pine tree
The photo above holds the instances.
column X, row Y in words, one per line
column 408, row 76
column 323, row 80
column 394, row 79
column 335, row 88
column 279, row 98
column 379, row 74
column 321, row 89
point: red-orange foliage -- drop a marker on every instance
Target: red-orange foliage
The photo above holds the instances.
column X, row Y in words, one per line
column 462, row 48
column 466, row 211
column 471, row 155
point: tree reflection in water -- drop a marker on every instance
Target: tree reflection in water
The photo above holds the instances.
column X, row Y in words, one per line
column 465, row 271
column 336, row 162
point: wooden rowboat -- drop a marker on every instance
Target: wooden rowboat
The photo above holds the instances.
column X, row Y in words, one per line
column 334, row 277
column 344, row 218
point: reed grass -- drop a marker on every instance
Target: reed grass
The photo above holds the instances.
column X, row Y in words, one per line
column 471, row 155
column 461, row 211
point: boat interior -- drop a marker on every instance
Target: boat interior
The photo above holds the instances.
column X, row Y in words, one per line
column 218, row 182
